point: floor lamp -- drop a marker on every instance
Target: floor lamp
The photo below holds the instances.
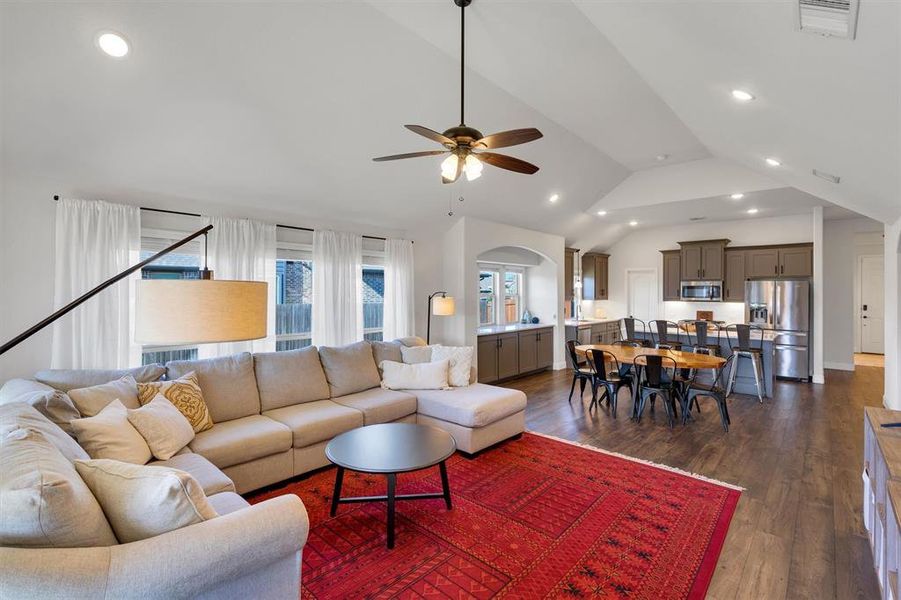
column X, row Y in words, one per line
column 182, row 311
column 443, row 306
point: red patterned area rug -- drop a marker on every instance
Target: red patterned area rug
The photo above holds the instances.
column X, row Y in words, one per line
column 532, row 518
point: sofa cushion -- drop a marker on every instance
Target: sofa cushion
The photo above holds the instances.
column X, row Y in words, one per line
column 382, row 351
column 318, row 421
column 227, row 502
column 210, row 478
column 185, row 394
column 18, row 415
column 141, row 501
column 228, row 384
column 108, row 434
column 475, row 405
column 349, row 369
column 43, row 501
column 49, row 401
column 162, row 426
column 69, row 379
column 380, row 406
column 291, row 377
column 91, row 400
column 242, row 440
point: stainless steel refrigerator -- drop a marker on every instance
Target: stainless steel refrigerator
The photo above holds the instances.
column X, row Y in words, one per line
column 783, row 306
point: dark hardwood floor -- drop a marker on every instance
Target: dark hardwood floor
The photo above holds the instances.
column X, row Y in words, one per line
column 798, row 530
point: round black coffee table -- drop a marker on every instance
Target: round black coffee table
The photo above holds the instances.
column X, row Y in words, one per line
column 391, row 448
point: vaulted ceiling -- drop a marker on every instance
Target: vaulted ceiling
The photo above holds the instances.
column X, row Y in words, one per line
column 281, row 106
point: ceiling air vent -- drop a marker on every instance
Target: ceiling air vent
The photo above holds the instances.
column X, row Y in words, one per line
column 836, row 18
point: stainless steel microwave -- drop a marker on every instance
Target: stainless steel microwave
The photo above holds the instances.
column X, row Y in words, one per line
column 702, row 291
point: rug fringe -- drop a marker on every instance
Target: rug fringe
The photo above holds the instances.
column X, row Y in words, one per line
column 642, row 461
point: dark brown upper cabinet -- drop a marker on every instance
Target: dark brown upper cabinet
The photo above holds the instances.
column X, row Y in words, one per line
column 568, row 273
column 594, row 276
column 792, row 260
column 672, row 274
column 796, row 261
column 734, row 288
column 703, row 260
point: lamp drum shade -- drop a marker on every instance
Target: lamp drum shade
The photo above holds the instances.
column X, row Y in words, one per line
column 170, row 312
column 443, row 306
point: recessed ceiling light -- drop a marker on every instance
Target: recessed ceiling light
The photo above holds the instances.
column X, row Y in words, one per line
column 112, row 43
column 601, row 213
column 742, row 95
column 773, row 162
column 752, row 211
column 633, row 223
column 662, row 157
column 737, row 196
column 554, row 197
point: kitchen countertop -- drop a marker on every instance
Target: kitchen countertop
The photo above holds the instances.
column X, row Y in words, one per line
column 588, row 322
column 495, row 329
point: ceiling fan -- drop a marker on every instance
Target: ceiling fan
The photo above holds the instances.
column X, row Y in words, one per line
column 465, row 145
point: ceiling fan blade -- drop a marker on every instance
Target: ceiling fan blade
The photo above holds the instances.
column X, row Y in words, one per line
column 459, row 172
column 411, row 155
column 507, row 162
column 508, row 138
column 432, row 135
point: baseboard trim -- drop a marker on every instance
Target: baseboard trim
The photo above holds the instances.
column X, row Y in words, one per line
column 839, row 366
column 559, row 365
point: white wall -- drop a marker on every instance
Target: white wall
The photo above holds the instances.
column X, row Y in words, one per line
column 642, row 249
column 844, row 242
column 893, row 315
column 462, row 245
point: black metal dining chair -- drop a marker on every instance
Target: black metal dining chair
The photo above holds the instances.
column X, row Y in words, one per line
column 663, row 338
column 659, row 373
column 611, row 381
column 631, row 325
column 582, row 371
column 715, row 390
column 746, row 341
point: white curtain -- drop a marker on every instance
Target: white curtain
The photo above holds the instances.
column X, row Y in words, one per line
column 241, row 249
column 398, row 320
column 94, row 241
column 337, row 288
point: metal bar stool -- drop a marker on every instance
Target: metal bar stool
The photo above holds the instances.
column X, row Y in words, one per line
column 746, row 341
column 663, row 338
column 629, row 324
column 706, row 335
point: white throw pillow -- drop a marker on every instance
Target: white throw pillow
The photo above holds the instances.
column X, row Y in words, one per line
column 91, row 400
column 414, row 355
column 419, row 376
column 162, row 426
column 144, row 501
column 460, row 358
column 108, row 434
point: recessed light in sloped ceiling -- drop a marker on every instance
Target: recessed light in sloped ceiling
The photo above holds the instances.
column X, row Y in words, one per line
column 112, row 44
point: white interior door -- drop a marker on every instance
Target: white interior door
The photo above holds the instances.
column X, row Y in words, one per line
column 642, row 294
column 872, row 314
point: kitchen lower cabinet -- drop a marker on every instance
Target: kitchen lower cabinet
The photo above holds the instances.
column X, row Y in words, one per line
column 507, row 355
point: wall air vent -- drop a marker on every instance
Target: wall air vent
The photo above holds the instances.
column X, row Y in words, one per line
column 836, row 18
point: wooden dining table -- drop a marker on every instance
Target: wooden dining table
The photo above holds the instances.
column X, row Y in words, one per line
column 630, row 355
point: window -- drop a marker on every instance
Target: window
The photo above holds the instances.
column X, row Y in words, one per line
column 487, row 295
column 293, row 304
column 512, row 295
column 180, row 265
column 373, row 302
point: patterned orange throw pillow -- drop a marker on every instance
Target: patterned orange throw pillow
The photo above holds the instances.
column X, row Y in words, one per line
column 185, row 394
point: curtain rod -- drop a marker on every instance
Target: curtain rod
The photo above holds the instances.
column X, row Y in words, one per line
column 189, row 214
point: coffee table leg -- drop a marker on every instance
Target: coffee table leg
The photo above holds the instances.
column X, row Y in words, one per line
column 392, row 486
column 339, row 479
column 445, row 486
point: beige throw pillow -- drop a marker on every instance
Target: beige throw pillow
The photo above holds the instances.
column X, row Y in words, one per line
column 460, row 358
column 185, row 394
column 162, row 426
column 144, row 501
column 416, row 354
column 91, row 400
column 109, row 435
column 419, row 376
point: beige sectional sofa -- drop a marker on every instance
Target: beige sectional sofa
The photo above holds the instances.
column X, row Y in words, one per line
column 273, row 415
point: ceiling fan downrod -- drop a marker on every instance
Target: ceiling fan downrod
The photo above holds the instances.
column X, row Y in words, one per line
column 462, row 4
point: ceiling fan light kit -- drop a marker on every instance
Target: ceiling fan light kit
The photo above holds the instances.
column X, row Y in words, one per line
column 464, row 144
